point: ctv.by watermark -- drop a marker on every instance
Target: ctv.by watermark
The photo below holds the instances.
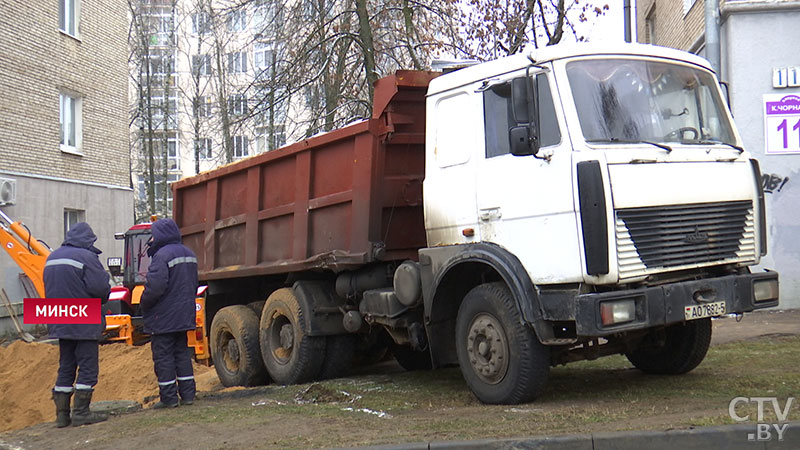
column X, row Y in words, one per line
column 764, row 431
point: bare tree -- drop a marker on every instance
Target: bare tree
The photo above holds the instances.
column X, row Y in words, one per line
column 496, row 28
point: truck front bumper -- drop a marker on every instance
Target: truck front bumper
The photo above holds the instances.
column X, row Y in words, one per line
column 666, row 304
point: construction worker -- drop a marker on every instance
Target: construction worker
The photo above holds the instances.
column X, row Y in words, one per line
column 74, row 271
column 168, row 311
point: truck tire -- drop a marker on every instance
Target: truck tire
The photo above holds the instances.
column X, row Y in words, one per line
column 682, row 348
column 501, row 359
column 257, row 307
column 372, row 347
column 411, row 359
column 290, row 355
column 339, row 352
column 235, row 349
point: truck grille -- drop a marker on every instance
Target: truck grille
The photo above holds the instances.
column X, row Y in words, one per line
column 656, row 239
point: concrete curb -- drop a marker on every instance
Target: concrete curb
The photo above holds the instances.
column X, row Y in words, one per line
column 729, row 437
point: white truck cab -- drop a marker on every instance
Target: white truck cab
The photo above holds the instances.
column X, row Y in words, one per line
column 585, row 201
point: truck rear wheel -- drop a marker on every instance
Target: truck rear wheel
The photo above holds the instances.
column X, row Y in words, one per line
column 501, row 359
column 234, row 347
column 411, row 359
column 339, row 353
column 680, row 348
column 290, row 355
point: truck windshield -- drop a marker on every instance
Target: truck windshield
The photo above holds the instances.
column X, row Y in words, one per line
column 626, row 100
column 136, row 259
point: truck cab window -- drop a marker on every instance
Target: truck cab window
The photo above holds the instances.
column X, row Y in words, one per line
column 549, row 133
column 498, row 117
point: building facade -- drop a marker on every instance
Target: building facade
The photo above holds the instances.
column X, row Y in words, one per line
column 64, row 151
column 203, row 90
column 761, row 66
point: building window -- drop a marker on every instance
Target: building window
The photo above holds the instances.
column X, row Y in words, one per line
column 201, row 65
column 266, row 17
column 265, row 142
column 237, row 62
column 650, row 26
column 204, row 106
column 201, row 23
column 237, row 20
column 68, row 14
column 71, row 122
column 161, row 106
column 204, row 148
column 237, row 104
column 239, row 146
column 173, row 162
column 71, row 217
column 263, row 56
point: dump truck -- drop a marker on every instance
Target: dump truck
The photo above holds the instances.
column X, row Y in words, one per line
column 559, row 205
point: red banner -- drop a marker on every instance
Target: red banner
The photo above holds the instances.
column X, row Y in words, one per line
column 48, row 311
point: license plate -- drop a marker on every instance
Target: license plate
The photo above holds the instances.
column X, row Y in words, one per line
column 704, row 310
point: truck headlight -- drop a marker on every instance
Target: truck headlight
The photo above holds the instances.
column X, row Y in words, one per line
column 617, row 312
column 765, row 290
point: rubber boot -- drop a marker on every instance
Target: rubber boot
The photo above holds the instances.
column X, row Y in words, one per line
column 80, row 409
column 61, row 400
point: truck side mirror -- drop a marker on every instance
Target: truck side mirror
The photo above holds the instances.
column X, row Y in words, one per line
column 115, row 265
column 520, row 140
column 523, row 139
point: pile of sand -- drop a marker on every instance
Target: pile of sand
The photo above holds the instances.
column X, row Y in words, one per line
column 28, row 372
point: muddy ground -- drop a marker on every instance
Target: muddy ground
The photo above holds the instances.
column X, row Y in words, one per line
column 297, row 416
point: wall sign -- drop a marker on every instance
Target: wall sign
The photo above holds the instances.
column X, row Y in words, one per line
column 781, row 123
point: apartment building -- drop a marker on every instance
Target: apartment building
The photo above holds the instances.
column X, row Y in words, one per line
column 760, row 67
column 205, row 65
column 64, row 153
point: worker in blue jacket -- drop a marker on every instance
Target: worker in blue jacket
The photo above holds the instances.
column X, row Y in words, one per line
column 74, row 271
column 168, row 310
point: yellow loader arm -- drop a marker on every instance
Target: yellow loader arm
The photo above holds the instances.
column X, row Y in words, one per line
column 29, row 254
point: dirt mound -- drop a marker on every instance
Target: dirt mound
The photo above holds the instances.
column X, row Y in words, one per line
column 28, row 372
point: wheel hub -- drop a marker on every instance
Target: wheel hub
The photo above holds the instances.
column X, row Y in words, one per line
column 487, row 349
column 287, row 336
column 233, row 352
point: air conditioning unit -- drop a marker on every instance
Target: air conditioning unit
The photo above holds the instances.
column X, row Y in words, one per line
column 8, row 191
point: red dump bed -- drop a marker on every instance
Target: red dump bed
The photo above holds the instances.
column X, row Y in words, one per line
column 334, row 201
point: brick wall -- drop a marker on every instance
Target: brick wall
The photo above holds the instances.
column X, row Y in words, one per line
column 672, row 27
column 38, row 62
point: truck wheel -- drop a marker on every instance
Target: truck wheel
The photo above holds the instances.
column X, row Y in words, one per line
column 682, row 348
column 501, row 359
column 257, row 307
column 411, row 359
column 234, row 347
column 371, row 348
column 291, row 356
column 339, row 352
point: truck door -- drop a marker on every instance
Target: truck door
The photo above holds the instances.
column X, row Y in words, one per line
column 525, row 202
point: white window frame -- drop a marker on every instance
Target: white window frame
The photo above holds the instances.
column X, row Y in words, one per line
column 204, row 106
column 237, row 20
column 69, row 17
column 204, row 63
column 71, row 217
column 201, row 23
column 206, row 148
column 240, row 146
column 237, row 62
column 70, row 114
column 237, row 104
column 262, row 55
